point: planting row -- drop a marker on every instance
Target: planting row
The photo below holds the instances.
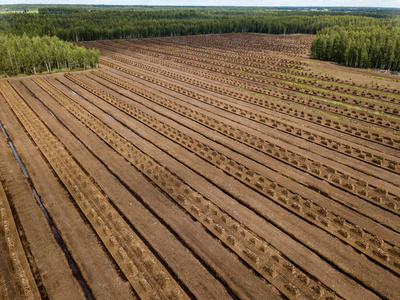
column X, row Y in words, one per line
column 256, row 252
column 262, row 58
column 359, row 131
column 315, row 138
column 289, row 45
column 279, row 70
column 16, row 279
column 143, row 270
column 344, row 229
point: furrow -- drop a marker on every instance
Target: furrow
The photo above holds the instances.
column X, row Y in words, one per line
column 360, row 188
column 143, row 270
column 260, row 255
column 368, row 243
column 25, row 283
column 332, row 103
column 315, row 138
column 280, row 70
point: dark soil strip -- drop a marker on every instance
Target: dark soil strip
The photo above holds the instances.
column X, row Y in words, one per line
column 57, row 236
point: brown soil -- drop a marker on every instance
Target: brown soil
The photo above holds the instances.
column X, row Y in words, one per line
column 206, row 167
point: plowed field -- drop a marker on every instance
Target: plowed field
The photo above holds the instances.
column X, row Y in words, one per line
column 203, row 167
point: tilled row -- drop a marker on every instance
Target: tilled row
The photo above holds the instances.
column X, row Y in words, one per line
column 141, row 267
column 289, row 45
column 377, row 160
column 332, row 105
column 358, row 131
column 366, row 190
column 281, row 71
column 249, row 57
column 260, row 255
column 322, row 104
column 169, row 53
column 25, row 286
column 354, row 130
column 344, row 229
column 386, row 107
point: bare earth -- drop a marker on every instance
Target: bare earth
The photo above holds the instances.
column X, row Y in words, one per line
column 203, row 167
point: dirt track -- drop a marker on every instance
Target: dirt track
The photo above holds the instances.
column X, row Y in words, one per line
column 194, row 167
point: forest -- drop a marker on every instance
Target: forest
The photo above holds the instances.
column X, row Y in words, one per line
column 73, row 24
column 357, row 37
column 32, row 55
column 363, row 47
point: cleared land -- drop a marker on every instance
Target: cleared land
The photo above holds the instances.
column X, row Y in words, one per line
column 209, row 167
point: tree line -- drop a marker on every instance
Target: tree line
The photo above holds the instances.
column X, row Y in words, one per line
column 362, row 38
column 32, row 55
column 74, row 24
column 363, row 47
